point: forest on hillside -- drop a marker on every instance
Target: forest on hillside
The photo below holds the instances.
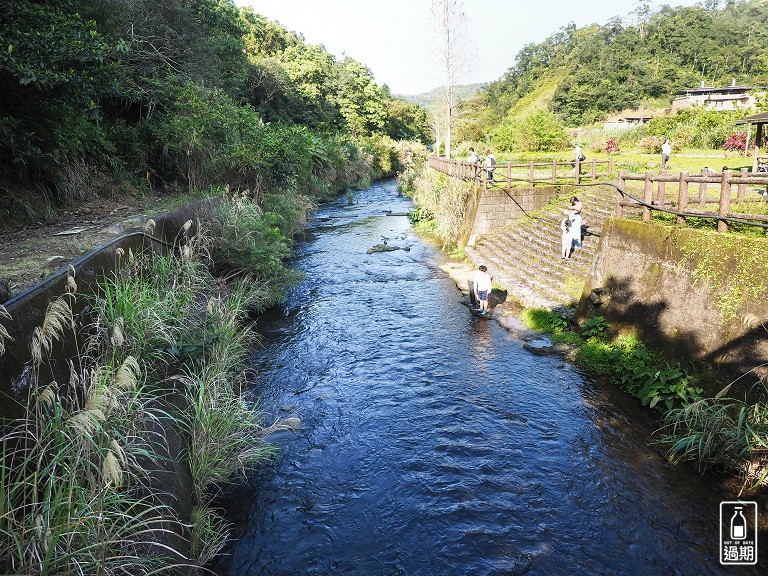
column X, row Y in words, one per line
column 105, row 94
column 582, row 74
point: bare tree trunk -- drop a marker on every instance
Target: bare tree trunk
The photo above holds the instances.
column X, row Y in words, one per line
column 451, row 23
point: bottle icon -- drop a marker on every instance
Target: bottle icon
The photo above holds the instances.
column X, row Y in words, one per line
column 738, row 525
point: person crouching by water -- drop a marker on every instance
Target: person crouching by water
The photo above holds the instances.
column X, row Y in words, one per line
column 482, row 287
column 567, row 239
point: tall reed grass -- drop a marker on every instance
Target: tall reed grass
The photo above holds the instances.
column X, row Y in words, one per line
column 80, row 474
column 74, row 495
column 723, row 432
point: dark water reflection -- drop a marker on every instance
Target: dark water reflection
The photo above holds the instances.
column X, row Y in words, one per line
column 433, row 443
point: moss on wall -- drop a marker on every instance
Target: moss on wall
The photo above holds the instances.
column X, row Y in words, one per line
column 700, row 294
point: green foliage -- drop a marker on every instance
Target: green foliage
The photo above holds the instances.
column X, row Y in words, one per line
column 194, row 94
column 625, row 361
column 638, row 370
column 611, row 67
column 251, row 240
column 669, row 384
column 544, row 320
column 540, row 131
column 443, row 200
column 595, row 327
column 54, row 68
column 721, row 431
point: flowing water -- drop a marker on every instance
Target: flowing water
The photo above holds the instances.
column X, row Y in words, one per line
column 432, row 442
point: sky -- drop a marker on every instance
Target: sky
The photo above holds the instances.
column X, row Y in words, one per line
column 395, row 38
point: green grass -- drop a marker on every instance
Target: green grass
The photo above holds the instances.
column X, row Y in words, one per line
column 78, row 475
column 722, row 432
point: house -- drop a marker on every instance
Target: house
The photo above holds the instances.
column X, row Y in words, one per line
column 627, row 121
column 728, row 98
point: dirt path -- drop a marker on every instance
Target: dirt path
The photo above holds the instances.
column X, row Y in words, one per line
column 34, row 252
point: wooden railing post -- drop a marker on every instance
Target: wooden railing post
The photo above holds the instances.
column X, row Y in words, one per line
column 531, row 174
column 725, row 200
column 578, row 171
column 662, row 189
column 682, row 196
column 703, row 188
column 554, row 171
column 742, row 187
column 619, row 196
column 647, row 196
column 594, row 171
column 610, row 166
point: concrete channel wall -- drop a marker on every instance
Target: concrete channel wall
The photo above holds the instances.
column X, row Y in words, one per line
column 699, row 294
column 28, row 308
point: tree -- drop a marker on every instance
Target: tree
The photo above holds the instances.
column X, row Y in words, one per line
column 451, row 23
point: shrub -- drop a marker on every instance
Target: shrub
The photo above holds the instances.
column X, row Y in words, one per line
column 721, row 431
column 612, row 146
column 595, row 327
column 736, row 142
column 541, row 131
column 651, row 144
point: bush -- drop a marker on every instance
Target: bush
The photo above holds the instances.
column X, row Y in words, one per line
column 612, row 146
column 736, row 142
column 651, row 144
column 541, row 131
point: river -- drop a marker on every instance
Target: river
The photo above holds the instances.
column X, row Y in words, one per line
column 433, row 443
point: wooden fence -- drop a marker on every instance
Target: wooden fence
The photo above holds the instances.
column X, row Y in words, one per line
column 508, row 174
column 692, row 189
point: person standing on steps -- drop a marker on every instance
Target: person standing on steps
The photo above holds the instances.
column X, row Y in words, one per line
column 666, row 151
column 574, row 215
column 567, row 238
column 482, row 286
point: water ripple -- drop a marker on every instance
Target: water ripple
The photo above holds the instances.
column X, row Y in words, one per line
column 432, row 443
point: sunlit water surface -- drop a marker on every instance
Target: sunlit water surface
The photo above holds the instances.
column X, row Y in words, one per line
column 433, row 443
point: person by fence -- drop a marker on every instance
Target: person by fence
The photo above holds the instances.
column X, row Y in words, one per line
column 490, row 164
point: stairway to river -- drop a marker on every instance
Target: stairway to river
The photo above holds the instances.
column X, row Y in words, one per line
column 525, row 256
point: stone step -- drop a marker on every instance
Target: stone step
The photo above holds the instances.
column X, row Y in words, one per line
column 525, row 257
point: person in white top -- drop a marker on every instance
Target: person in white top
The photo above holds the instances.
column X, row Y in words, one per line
column 666, row 150
column 473, row 158
column 490, row 164
column 567, row 238
column 483, row 283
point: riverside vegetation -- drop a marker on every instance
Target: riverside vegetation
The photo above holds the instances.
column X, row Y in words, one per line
column 107, row 98
column 84, row 477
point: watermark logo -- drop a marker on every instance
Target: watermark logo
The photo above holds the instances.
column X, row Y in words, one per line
column 738, row 533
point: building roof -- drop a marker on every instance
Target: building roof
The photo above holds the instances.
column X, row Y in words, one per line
column 761, row 118
column 733, row 89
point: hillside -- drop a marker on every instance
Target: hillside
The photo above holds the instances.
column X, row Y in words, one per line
column 600, row 69
column 428, row 100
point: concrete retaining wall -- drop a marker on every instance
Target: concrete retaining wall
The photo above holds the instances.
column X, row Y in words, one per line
column 495, row 208
column 28, row 308
column 698, row 294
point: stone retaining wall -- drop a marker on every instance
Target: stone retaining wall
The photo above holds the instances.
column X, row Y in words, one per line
column 698, row 294
column 496, row 208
